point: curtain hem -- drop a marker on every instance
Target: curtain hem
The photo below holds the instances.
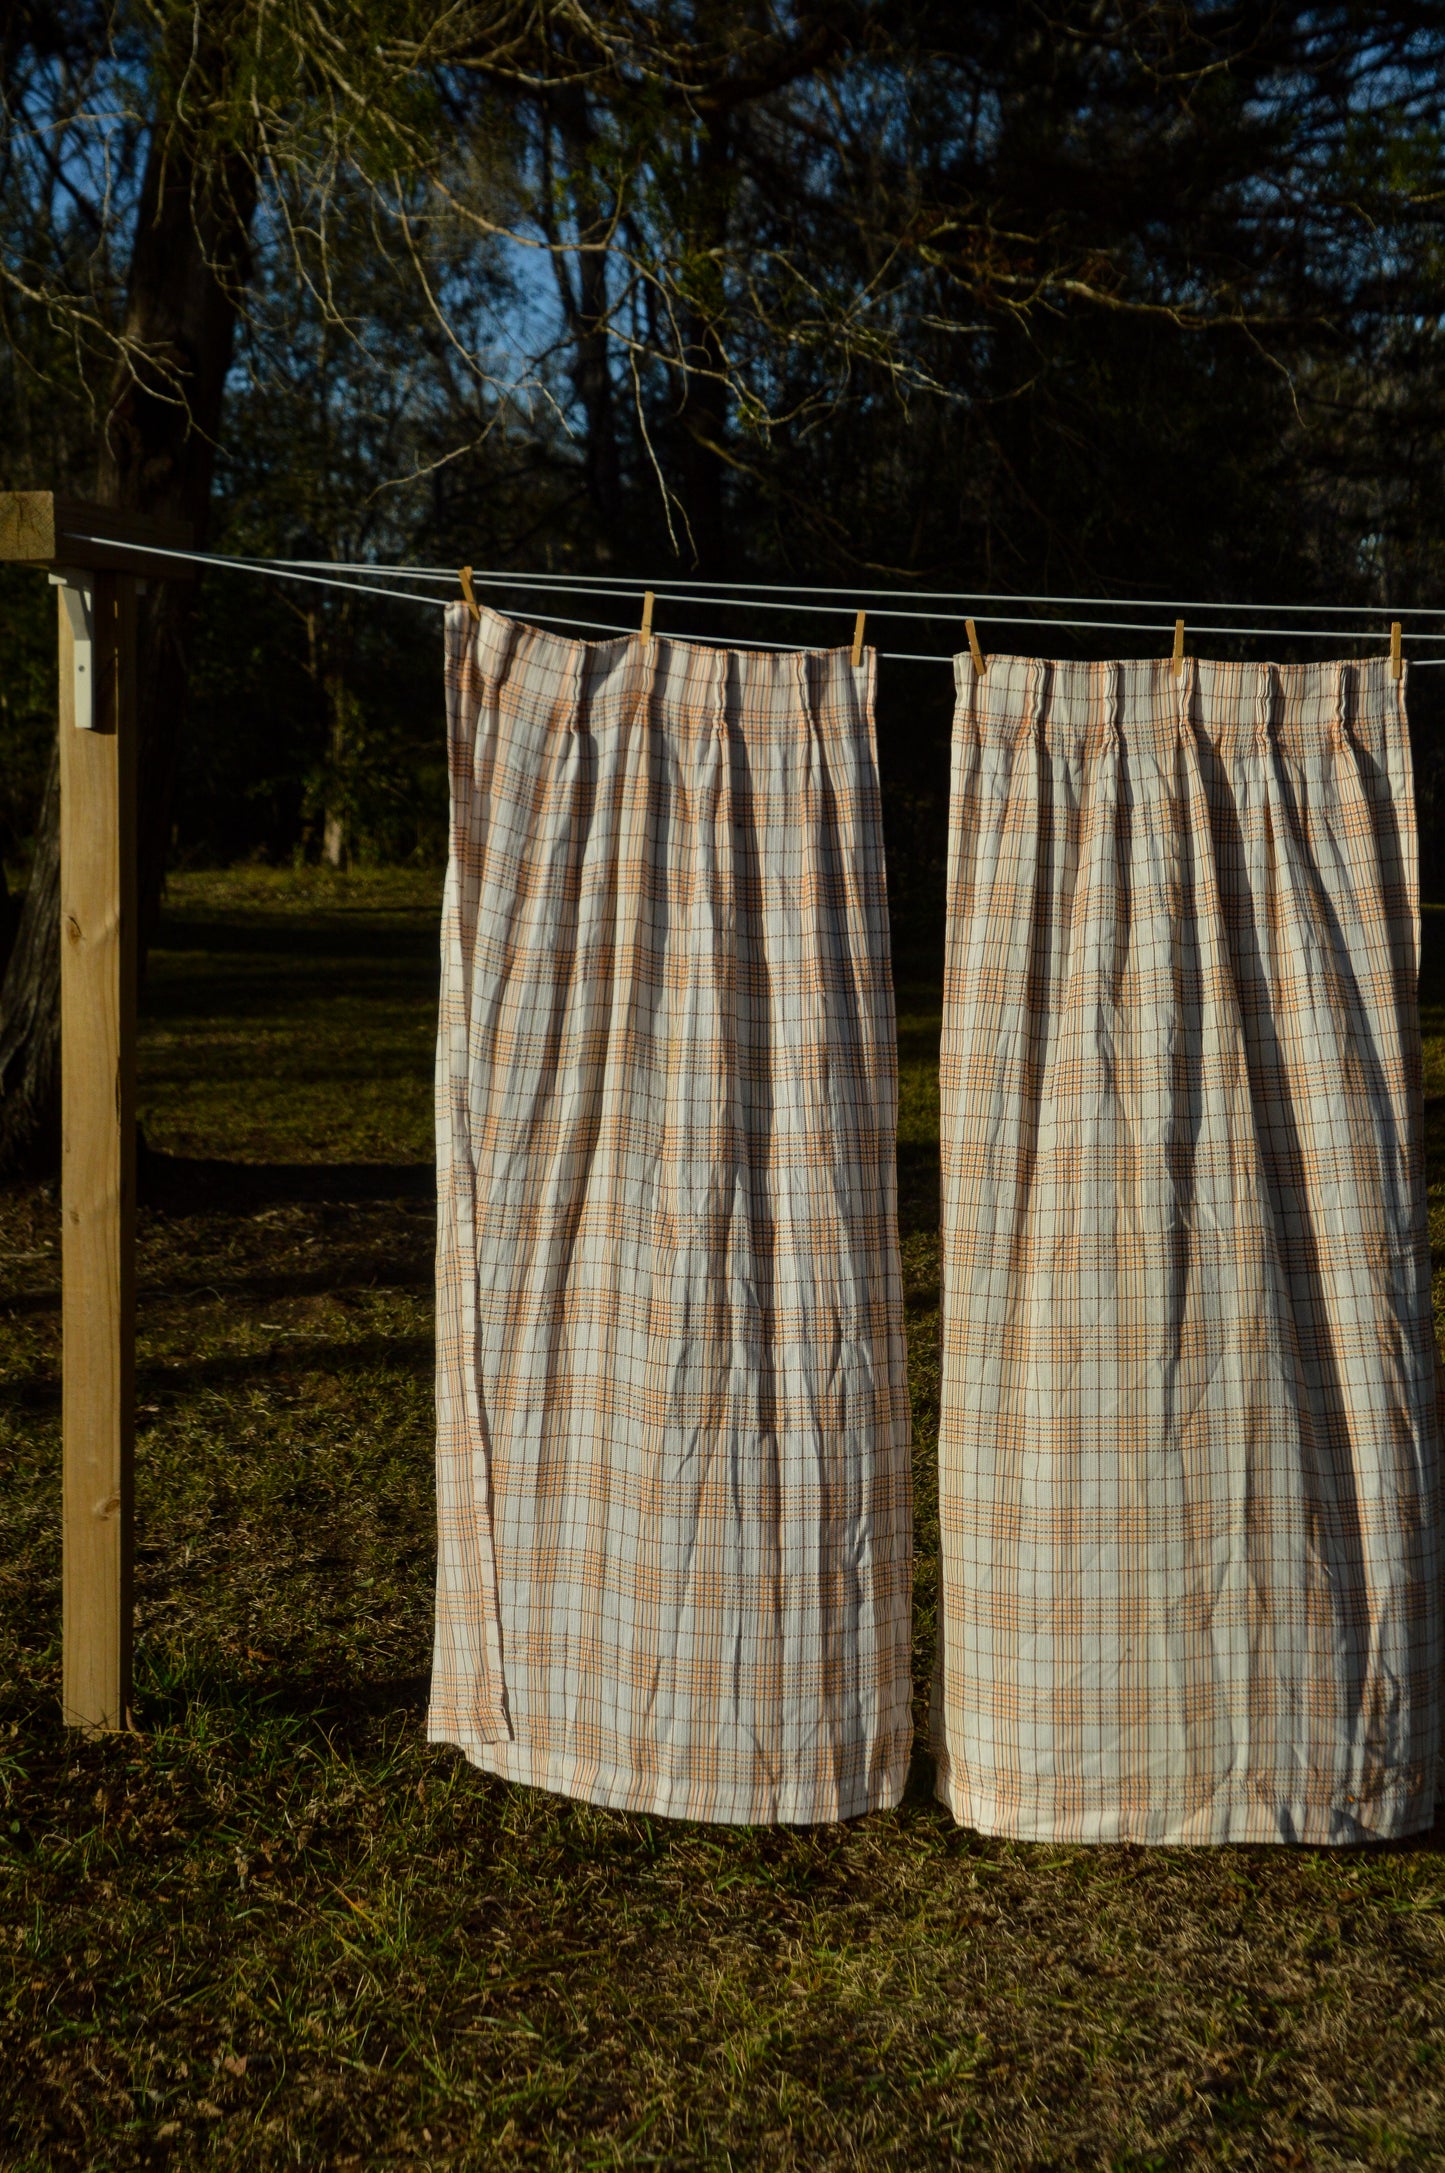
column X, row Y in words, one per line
column 800, row 1802
column 1250, row 1813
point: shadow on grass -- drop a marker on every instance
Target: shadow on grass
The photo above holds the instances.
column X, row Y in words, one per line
column 334, row 1705
column 324, row 935
column 179, row 1184
column 214, row 1698
column 294, row 1352
column 918, row 1188
column 335, row 1281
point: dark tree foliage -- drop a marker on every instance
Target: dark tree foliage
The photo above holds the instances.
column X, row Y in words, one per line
column 1087, row 298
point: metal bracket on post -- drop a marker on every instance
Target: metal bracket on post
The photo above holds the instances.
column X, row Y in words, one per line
column 78, row 590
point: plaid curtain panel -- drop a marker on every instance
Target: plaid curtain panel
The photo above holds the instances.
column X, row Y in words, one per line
column 1189, row 1434
column 673, row 1437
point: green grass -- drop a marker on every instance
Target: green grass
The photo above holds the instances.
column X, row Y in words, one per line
column 275, row 1929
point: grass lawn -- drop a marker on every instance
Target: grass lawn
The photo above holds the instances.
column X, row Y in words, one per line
column 275, row 1929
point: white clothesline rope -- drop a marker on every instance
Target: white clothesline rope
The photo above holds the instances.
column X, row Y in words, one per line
column 725, row 591
column 277, row 569
column 900, row 656
column 676, row 592
column 673, row 593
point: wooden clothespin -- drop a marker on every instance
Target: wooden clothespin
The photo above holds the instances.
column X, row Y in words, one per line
column 465, row 577
column 1177, row 665
column 644, row 633
column 973, row 648
column 857, row 656
column 1395, row 664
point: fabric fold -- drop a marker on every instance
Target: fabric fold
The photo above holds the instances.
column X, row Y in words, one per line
column 674, row 1569
column 1188, row 1442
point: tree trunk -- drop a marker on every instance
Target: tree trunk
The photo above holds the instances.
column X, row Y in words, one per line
column 702, row 413
column 586, row 307
column 592, row 358
column 592, row 376
column 30, row 1006
column 702, row 423
column 334, row 840
column 8, row 918
column 188, row 265
column 159, row 453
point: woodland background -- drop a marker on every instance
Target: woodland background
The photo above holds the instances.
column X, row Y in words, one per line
column 1082, row 296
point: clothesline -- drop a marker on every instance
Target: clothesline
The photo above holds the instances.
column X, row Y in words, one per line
column 728, row 591
column 678, row 592
column 675, row 593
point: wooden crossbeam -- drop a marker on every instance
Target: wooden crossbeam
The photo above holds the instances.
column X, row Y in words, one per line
column 47, row 528
column 97, row 578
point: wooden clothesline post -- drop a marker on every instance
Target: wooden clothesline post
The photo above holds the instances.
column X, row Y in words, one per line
column 97, row 582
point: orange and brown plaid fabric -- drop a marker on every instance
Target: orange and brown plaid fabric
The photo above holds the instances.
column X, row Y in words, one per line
column 1189, row 1434
column 673, row 1436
